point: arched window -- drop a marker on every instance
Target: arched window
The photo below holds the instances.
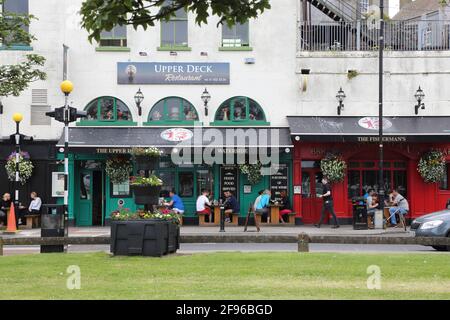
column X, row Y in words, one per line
column 107, row 111
column 172, row 109
column 240, row 109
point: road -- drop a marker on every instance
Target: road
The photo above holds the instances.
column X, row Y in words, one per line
column 250, row 247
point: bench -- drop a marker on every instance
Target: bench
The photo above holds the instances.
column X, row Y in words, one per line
column 291, row 218
column 202, row 219
column 32, row 221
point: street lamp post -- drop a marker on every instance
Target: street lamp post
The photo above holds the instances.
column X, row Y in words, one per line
column 205, row 98
column 138, row 98
column 17, row 117
column 380, row 105
column 340, row 96
column 66, row 88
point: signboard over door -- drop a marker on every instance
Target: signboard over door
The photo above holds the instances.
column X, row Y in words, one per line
column 279, row 181
column 229, row 180
column 173, row 73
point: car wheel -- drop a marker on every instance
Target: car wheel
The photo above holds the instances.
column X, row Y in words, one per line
column 440, row 248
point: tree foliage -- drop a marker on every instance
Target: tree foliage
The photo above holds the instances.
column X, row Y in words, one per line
column 17, row 77
column 103, row 15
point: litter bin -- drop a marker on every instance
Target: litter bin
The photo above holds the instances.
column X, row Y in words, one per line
column 359, row 213
column 52, row 225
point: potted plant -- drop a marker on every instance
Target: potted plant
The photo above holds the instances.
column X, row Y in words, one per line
column 25, row 166
column 146, row 158
column 144, row 233
column 432, row 166
column 333, row 167
column 146, row 189
column 118, row 169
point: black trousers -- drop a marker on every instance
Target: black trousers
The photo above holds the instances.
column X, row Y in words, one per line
column 328, row 207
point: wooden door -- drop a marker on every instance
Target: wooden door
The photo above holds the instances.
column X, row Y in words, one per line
column 311, row 189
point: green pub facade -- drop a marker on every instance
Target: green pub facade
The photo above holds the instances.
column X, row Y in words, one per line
column 171, row 125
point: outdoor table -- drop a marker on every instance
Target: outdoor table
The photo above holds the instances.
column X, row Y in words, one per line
column 275, row 213
column 216, row 210
column 387, row 214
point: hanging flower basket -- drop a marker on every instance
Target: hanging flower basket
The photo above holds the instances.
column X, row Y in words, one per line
column 333, row 167
column 25, row 167
column 118, row 169
column 146, row 158
column 252, row 171
column 432, row 166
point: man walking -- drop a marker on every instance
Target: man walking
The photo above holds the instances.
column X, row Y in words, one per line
column 327, row 203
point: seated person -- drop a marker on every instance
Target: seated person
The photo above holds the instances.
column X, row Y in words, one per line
column 203, row 205
column 5, row 204
column 258, row 199
column 35, row 204
column 263, row 205
column 285, row 206
column 401, row 206
column 371, row 203
column 231, row 205
column 175, row 203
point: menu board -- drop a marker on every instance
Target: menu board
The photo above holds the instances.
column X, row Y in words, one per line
column 279, row 181
column 229, row 180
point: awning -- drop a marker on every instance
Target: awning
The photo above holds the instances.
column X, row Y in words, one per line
column 164, row 137
column 365, row 129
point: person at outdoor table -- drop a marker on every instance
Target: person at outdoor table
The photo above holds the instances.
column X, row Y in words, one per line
column 5, row 204
column 285, row 205
column 401, row 206
column 263, row 205
column 231, row 205
column 35, row 204
column 371, row 203
column 175, row 203
column 258, row 199
column 203, row 205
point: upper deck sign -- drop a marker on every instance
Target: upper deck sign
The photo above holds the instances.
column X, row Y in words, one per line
column 173, row 73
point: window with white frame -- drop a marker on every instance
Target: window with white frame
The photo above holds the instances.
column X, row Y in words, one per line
column 117, row 37
column 235, row 36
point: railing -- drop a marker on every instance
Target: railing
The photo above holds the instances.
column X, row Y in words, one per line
column 363, row 36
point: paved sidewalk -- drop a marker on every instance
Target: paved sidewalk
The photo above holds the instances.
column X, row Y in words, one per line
column 345, row 230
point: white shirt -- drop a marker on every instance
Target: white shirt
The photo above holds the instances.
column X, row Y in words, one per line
column 201, row 201
column 35, row 204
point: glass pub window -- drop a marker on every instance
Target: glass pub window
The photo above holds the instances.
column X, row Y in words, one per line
column 18, row 7
column 117, row 37
column 107, row 109
column 445, row 183
column 121, row 190
column 235, row 36
column 240, row 109
column 174, row 32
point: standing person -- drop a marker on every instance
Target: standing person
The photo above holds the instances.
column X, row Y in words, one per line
column 5, row 205
column 35, row 204
column 327, row 203
column 401, row 206
column 203, row 205
column 285, row 205
column 231, row 205
column 263, row 205
column 175, row 203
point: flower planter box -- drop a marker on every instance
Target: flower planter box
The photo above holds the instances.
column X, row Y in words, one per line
column 146, row 194
column 153, row 237
column 146, row 163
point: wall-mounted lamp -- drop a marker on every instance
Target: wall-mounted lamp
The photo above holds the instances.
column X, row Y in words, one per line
column 420, row 96
column 205, row 98
column 340, row 96
column 204, row 54
column 138, row 98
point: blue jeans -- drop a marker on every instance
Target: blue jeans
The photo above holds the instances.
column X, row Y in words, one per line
column 398, row 210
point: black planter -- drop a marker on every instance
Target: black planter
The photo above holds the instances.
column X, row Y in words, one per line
column 153, row 238
column 146, row 194
column 146, row 163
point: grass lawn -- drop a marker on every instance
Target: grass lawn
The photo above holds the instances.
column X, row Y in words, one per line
column 226, row 276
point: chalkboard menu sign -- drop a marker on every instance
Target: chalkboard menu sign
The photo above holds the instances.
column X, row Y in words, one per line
column 279, row 181
column 229, row 180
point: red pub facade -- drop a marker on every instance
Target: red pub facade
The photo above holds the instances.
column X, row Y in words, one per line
column 360, row 150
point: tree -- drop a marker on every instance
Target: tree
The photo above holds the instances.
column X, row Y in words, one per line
column 17, row 77
column 103, row 15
